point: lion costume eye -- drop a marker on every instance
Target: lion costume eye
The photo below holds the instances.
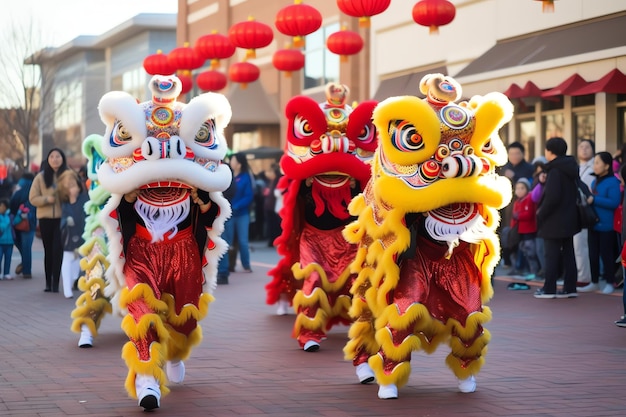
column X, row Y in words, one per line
column 488, row 147
column 302, row 128
column 206, row 135
column 120, row 136
column 405, row 137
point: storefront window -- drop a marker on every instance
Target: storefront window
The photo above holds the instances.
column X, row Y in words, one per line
column 554, row 125
column 527, row 137
column 621, row 126
column 585, row 126
column 581, row 101
column 321, row 66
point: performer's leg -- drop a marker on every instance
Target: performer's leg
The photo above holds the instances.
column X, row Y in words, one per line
column 310, row 325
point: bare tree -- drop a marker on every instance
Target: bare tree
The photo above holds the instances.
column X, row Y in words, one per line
column 27, row 95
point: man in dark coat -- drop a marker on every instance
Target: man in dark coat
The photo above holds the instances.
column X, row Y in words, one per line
column 557, row 220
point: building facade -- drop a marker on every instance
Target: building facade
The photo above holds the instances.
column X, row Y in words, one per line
column 491, row 45
column 81, row 71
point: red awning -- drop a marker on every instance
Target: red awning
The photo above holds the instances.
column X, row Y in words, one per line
column 513, row 91
column 529, row 90
column 613, row 83
column 567, row 87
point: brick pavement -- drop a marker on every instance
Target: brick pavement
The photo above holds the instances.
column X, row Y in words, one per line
column 546, row 358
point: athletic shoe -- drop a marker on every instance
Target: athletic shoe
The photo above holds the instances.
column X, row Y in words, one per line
column 591, row 287
column 148, row 392
column 8, row 276
column 467, row 385
column 175, row 371
column 608, row 289
column 311, row 346
column 365, row 373
column 388, row 392
column 86, row 338
column 563, row 294
column 283, row 308
column 540, row 293
column 621, row 322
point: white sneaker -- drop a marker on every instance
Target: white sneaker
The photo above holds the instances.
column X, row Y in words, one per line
column 387, row 392
column 365, row 373
column 467, row 385
column 175, row 371
column 86, row 338
column 608, row 289
column 589, row 287
column 311, row 346
column 148, row 392
column 283, row 308
column 8, row 276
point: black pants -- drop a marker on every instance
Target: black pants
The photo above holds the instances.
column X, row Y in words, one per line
column 560, row 252
column 53, row 251
column 602, row 247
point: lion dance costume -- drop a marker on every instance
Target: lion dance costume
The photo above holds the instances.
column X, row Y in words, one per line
column 426, row 233
column 92, row 304
column 163, row 221
column 326, row 163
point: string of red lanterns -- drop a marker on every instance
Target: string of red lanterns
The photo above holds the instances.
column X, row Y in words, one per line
column 158, row 64
column 298, row 20
column 433, row 13
column 344, row 42
column 250, row 35
column 363, row 9
column 288, row 60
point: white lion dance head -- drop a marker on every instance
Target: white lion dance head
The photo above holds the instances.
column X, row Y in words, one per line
column 164, row 149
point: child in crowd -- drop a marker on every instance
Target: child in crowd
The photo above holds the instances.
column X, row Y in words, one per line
column 524, row 216
column 73, row 197
column 6, row 239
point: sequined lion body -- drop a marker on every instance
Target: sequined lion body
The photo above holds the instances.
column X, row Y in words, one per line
column 164, row 243
column 426, row 232
column 326, row 163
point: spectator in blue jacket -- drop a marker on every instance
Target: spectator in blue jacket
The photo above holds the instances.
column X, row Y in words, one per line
column 24, row 239
column 602, row 238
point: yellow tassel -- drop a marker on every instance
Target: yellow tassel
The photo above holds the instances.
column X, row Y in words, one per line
column 152, row 367
column 399, row 375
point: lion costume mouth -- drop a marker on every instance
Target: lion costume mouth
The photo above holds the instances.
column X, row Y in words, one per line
column 163, row 196
column 334, row 180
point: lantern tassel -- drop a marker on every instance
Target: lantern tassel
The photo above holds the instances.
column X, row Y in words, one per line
column 215, row 64
column 547, row 6
column 433, row 30
column 364, row 22
column 250, row 54
column 298, row 42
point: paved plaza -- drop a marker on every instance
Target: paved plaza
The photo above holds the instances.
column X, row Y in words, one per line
column 562, row 357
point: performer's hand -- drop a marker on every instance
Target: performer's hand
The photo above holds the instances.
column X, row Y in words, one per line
column 204, row 207
column 131, row 197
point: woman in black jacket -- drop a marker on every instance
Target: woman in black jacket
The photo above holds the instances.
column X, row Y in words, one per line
column 557, row 220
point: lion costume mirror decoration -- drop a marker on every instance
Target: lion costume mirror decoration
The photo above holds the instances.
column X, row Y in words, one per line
column 163, row 222
column 426, row 233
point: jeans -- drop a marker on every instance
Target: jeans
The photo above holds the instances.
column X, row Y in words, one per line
column 24, row 244
column 6, row 251
column 236, row 226
column 602, row 248
column 560, row 251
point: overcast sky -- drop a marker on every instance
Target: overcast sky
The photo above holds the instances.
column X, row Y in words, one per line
column 64, row 20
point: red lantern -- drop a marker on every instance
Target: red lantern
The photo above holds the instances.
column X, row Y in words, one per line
column 185, row 58
column 547, row 6
column 243, row 73
column 298, row 20
column 211, row 80
column 344, row 43
column 158, row 64
column 186, row 81
column 363, row 9
column 214, row 47
column 433, row 13
column 288, row 60
column 250, row 35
